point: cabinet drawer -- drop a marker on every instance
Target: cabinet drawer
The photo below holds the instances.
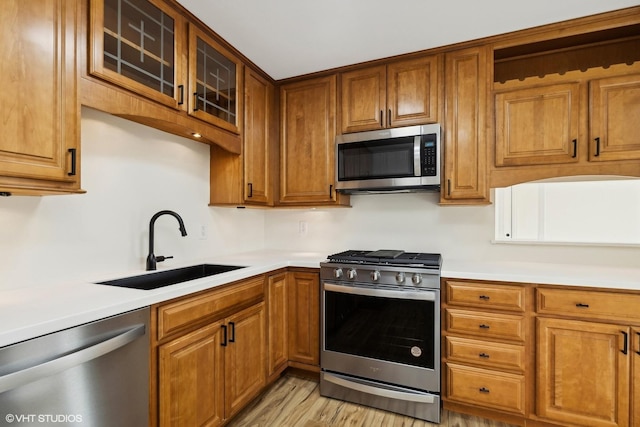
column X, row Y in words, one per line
column 491, row 389
column 588, row 304
column 174, row 316
column 485, row 325
column 488, row 354
column 485, row 295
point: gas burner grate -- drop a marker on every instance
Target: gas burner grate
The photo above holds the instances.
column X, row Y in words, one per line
column 388, row 257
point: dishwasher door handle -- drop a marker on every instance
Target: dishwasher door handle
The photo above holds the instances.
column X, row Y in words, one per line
column 25, row 376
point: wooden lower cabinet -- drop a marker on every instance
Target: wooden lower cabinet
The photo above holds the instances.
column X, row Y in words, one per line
column 487, row 349
column 207, row 376
column 487, row 388
column 214, row 351
column 304, row 320
column 277, row 342
column 191, row 379
column 583, row 372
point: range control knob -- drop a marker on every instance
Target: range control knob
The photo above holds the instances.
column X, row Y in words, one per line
column 375, row 275
column 337, row 273
column 400, row 277
column 416, row 279
column 352, row 274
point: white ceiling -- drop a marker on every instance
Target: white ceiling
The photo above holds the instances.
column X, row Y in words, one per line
column 289, row 38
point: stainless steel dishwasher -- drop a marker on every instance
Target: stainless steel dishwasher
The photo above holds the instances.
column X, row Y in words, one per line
column 96, row 374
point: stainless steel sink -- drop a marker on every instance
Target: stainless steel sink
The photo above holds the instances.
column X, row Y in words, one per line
column 170, row 277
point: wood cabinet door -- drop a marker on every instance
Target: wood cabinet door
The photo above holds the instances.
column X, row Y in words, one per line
column 583, row 372
column 191, row 379
column 215, row 82
column 363, row 99
column 258, row 105
column 137, row 45
column 467, row 74
column 40, row 109
column 245, row 357
column 304, row 318
column 412, row 92
column 278, row 353
column 615, row 118
column 307, row 156
column 537, row 126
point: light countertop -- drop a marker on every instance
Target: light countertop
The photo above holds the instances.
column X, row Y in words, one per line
column 34, row 311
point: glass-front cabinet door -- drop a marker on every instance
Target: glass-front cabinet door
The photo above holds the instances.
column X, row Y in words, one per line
column 136, row 44
column 215, row 80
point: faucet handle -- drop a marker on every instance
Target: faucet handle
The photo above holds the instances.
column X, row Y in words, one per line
column 161, row 258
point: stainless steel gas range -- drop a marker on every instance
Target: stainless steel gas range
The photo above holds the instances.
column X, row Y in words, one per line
column 381, row 330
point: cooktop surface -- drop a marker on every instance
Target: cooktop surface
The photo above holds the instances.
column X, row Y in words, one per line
column 388, row 256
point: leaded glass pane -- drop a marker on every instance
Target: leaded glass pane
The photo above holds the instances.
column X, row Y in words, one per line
column 216, row 83
column 139, row 43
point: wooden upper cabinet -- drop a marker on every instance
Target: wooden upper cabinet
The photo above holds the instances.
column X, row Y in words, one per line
column 538, row 125
column 412, row 91
column 258, row 141
column 215, row 80
column 248, row 179
column 364, row 99
column 402, row 93
column 307, row 146
column 137, row 45
column 147, row 47
column 615, row 118
column 467, row 82
column 40, row 126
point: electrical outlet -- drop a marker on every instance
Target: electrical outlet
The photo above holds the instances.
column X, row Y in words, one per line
column 303, row 228
column 203, row 232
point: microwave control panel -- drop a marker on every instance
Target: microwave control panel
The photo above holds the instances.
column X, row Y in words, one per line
column 429, row 155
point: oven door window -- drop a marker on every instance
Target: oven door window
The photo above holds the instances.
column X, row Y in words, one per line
column 395, row 330
column 392, row 158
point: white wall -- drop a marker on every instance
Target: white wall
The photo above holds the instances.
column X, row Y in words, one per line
column 130, row 172
column 415, row 222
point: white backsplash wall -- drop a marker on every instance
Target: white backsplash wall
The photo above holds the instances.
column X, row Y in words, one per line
column 415, row 222
column 130, row 172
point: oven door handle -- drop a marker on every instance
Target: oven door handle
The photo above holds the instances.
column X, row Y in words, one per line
column 385, row 293
column 382, row 392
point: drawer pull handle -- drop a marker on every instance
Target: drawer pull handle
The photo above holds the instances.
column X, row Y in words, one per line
column 483, row 326
column 626, row 342
column 483, row 355
column 484, row 297
column 484, row 390
column 581, row 305
column 638, row 351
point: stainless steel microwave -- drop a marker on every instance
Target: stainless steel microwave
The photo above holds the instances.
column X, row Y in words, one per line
column 399, row 159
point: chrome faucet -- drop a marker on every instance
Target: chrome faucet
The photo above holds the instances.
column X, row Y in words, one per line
column 151, row 258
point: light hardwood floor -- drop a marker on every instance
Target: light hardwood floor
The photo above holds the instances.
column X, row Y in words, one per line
column 296, row 402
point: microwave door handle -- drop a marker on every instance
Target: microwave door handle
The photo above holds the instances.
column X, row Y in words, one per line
column 385, row 293
column 417, row 164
